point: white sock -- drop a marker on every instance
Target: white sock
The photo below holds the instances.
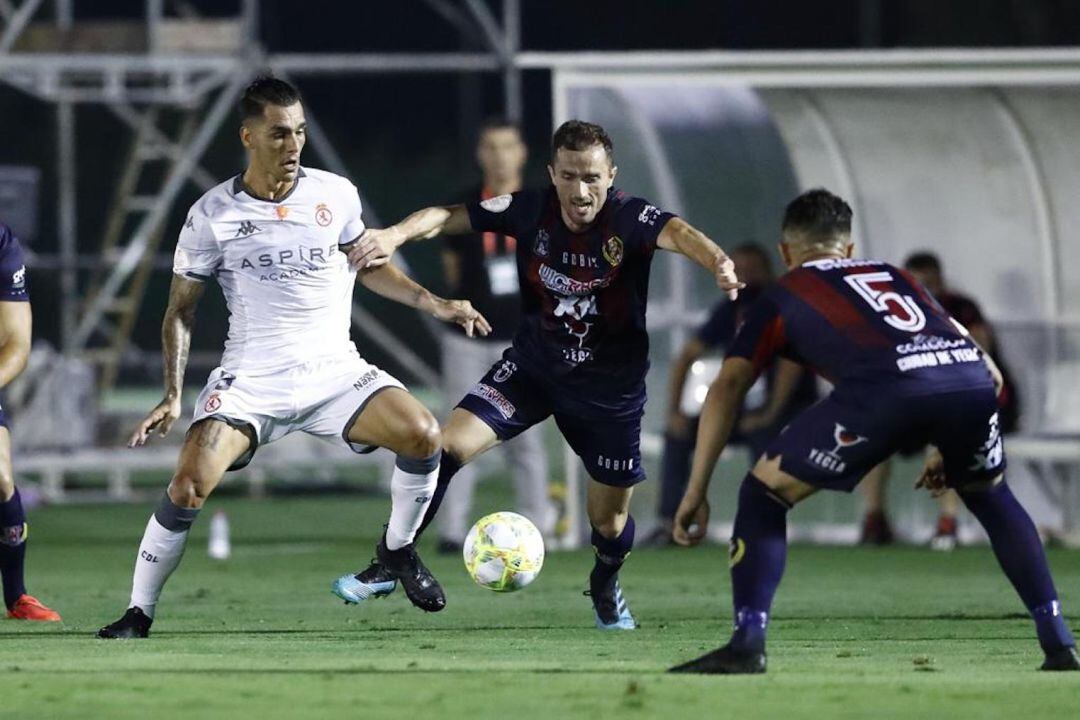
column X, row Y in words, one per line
column 159, row 554
column 411, row 487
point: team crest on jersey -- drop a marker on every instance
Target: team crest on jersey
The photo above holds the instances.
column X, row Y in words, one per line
column 497, row 204
column 323, row 216
column 506, row 369
column 282, row 212
column 613, row 250
column 830, row 459
column 541, row 244
column 213, row 403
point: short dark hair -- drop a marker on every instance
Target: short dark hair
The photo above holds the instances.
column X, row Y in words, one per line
column 580, row 135
column 923, row 261
column 819, row 214
column 266, row 90
column 498, row 122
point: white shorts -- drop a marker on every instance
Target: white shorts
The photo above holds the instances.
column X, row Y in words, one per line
column 320, row 398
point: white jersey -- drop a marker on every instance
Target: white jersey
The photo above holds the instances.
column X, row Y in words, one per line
column 287, row 286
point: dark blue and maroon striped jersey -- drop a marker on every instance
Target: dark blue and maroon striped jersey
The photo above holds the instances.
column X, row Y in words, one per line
column 12, row 268
column 861, row 323
column 583, row 294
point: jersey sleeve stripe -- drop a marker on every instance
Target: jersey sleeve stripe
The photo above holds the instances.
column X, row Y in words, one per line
column 833, row 306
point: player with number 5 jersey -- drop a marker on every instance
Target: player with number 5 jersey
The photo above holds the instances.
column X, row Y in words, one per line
column 904, row 372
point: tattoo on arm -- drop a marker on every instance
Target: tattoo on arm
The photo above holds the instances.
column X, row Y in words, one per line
column 176, row 328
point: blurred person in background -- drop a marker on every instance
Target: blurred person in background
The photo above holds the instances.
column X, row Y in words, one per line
column 876, row 529
column 15, row 330
column 482, row 268
column 778, row 395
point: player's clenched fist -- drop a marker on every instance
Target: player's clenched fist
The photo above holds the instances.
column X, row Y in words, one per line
column 374, row 248
column 161, row 419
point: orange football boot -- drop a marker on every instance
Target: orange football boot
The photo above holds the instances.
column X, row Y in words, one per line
column 28, row 607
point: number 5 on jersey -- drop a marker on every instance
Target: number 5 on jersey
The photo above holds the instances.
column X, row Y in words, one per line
column 901, row 311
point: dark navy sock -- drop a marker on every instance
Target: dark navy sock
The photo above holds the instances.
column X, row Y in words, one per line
column 1020, row 553
column 610, row 555
column 758, row 553
column 12, row 548
column 674, row 473
column 448, row 467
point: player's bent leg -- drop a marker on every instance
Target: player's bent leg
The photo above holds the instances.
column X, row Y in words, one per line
column 210, row 449
column 758, row 553
column 465, row 437
column 1019, row 551
column 608, row 508
column 396, row 420
column 13, row 535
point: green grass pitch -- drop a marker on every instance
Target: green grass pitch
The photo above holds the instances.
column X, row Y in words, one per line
column 857, row 633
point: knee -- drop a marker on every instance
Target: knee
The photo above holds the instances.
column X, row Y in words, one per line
column 608, row 524
column 423, row 438
column 189, row 489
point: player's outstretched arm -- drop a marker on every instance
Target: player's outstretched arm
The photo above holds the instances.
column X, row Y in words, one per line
column 376, row 247
column 15, row 330
column 391, row 283
column 682, row 237
column 726, row 395
column 184, row 296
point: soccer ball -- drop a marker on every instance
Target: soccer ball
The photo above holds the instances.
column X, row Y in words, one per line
column 503, row 552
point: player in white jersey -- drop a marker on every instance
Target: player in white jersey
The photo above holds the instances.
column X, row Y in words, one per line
column 271, row 239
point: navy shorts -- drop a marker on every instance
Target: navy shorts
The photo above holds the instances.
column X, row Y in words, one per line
column 510, row 400
column 834, row 443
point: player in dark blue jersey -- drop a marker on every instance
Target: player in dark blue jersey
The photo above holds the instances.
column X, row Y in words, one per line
column 903, row 370
column 15, row 327
column 583, row 255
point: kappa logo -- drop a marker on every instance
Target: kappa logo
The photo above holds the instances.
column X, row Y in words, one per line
column 506, row 369
column 18, row 278
column 323, row 216
column 246, row 228
column 190, row 224
column 830, row 459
